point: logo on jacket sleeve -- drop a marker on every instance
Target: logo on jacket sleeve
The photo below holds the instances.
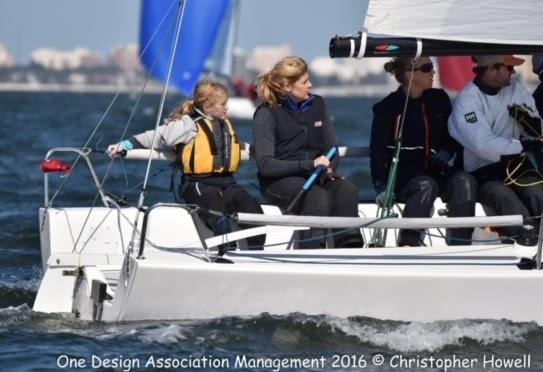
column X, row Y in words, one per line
column 318, row 124
column 471, row 117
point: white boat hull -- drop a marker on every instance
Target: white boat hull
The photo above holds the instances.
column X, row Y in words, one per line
column 174, row 280
column 203, row 290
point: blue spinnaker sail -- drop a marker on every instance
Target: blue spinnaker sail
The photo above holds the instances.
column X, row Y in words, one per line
column 199, row 29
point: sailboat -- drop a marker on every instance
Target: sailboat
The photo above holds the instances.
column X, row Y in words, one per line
column 241, row 104
column 158, row 262
column 209, row 29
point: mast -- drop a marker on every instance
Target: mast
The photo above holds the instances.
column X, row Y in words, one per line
column 231, row 39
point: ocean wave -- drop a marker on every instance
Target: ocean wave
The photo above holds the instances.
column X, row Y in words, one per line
column 14, row 314
column 268, row 335
column 433, row 336
column 25, row 277
column 11, row 310
column 17, row 320
column 11, row 295
column 304, row 332
column 167, row 334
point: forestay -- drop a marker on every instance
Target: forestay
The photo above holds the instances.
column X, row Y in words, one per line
column 485, row 21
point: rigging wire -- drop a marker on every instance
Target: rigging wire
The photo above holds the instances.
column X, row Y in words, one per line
column 379, row 235
column 125, row 130
column 113, row 100
column 142, row 89
column 127, row 125
column 157, row 123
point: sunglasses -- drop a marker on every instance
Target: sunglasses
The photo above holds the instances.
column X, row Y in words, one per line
column 425, row 68
column 497, row 66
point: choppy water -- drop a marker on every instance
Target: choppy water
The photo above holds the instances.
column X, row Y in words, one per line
column 31, row 123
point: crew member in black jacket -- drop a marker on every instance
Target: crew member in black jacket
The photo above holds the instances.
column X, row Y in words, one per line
column 292, row 133
column 430, row 160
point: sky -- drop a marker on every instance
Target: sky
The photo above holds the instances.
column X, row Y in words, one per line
column 99, row 25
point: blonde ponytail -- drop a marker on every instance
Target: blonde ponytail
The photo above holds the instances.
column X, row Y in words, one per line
column 206, row 91
column 187, row 107
column 183, row 109
column 272, row 85
column 266, row 89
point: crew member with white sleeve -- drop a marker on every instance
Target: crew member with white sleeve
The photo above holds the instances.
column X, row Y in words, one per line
column 496, row 121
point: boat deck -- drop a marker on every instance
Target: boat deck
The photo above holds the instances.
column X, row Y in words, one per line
column 485, row 258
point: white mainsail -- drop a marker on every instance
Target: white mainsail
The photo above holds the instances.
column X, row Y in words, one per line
column 444, row 28
column 485, row 21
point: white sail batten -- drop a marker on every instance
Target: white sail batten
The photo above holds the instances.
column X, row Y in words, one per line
column 486, row 21
column 390, row 223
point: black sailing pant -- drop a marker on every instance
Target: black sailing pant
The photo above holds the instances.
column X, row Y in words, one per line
column 526, row 201
column 419, row 194
column 513, row 199
column 230, row 198
column 336, row 197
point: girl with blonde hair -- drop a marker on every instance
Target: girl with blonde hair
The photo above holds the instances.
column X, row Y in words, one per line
column 292, row 133
column 209, row 153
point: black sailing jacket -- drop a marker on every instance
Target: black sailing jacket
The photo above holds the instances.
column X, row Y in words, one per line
column 425, row 132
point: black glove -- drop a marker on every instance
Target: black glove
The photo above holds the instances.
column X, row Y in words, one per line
column 535, row 146
column 440, row 159
column 531, row 144
column 521, row 114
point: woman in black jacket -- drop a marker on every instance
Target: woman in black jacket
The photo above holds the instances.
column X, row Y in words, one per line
column 292, row 133
column 430, row 162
